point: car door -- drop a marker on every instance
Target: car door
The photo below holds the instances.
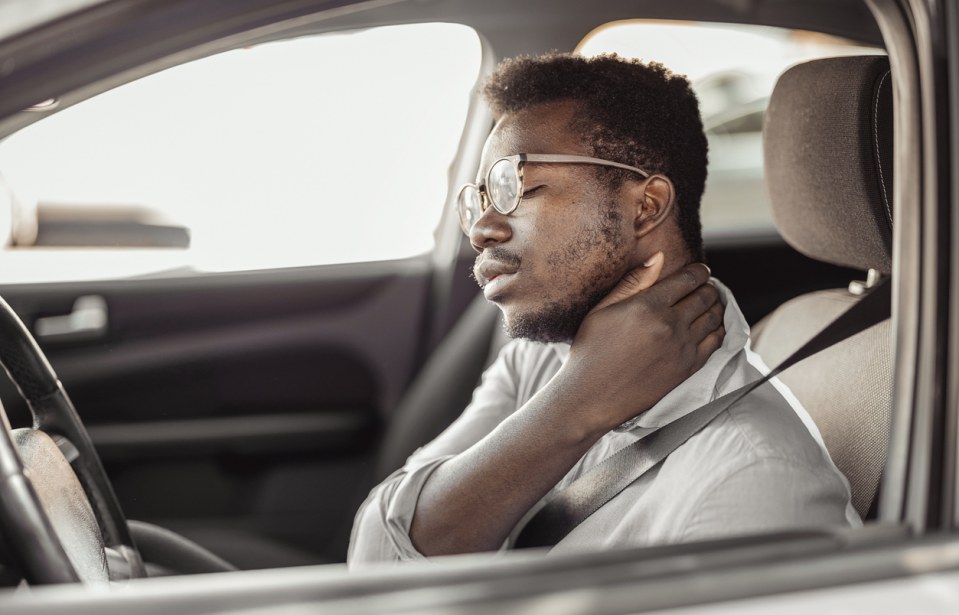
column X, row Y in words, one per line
column 231, row 265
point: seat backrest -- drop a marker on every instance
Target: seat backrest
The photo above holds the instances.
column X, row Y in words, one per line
column 828, row 163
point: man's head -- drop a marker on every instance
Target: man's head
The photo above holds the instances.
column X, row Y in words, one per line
column 579, row 227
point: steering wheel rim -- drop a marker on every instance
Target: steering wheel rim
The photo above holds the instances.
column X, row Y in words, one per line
column 34, row 541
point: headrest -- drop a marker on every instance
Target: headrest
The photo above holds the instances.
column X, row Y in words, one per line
column 827, row 144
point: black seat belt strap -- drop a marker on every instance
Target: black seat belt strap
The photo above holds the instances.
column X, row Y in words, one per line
column 568, row 508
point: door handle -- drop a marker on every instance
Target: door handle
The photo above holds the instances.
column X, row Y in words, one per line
column 88, row 320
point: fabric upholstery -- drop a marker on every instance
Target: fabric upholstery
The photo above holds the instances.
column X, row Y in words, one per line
column 846, row 388
column 828, row 160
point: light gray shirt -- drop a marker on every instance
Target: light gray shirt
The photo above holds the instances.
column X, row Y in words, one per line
column 760, row 466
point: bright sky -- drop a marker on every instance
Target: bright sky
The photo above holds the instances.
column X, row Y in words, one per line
column 323, row 149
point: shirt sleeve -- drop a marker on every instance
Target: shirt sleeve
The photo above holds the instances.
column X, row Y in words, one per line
column 382, row 524
column 769, row 495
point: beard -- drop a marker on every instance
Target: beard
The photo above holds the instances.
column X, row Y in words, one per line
column 556, row 321
column 590, row 279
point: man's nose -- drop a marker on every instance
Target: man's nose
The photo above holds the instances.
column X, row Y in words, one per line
column 490, row 229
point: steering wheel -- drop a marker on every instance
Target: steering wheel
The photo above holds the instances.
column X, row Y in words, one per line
column 59, row 516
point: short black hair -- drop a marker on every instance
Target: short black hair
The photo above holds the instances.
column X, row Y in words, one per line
column 637, row 113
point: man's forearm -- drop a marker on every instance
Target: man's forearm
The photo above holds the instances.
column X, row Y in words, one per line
column 473, row 501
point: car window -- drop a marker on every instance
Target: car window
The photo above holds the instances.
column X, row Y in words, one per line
column 733, row 82
column 315, row 150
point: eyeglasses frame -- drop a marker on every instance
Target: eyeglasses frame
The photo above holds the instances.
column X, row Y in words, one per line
column 519, row 161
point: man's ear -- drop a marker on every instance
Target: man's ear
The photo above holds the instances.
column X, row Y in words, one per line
column 654, row 199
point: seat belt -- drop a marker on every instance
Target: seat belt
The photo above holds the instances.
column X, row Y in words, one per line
column 567, row 508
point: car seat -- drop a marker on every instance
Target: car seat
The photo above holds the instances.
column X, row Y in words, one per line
column 827, row 144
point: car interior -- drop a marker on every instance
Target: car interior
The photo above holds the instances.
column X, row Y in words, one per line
column 242, row 417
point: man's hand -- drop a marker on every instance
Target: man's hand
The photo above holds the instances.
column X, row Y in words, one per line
column 644, row 339
column 635, row 280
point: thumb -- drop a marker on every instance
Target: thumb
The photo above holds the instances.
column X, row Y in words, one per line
column 635, row 280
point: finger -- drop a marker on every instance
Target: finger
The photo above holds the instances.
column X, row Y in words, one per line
column 707, row 322
column 696, row 303
column 710, row 344
column 634, row 281
column 675, row 287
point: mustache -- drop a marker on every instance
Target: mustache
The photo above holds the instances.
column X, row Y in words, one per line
column 497, row 254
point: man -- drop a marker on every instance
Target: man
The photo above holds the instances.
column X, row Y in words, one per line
column 588, row 193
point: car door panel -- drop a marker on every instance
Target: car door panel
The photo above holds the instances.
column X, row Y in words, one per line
column 207, row 390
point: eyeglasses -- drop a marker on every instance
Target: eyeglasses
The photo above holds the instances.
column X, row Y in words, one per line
column 504, row 184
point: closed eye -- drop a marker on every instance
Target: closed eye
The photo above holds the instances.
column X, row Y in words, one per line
column 532, row 191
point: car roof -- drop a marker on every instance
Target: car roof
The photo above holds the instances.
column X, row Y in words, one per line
column 81, row 53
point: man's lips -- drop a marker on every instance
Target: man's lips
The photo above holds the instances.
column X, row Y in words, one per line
column 488, row 271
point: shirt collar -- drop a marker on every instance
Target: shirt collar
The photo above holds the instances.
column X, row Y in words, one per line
column 703, row 386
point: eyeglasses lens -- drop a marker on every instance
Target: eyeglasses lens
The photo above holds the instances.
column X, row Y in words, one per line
column 469, row 205
column 503, row 188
